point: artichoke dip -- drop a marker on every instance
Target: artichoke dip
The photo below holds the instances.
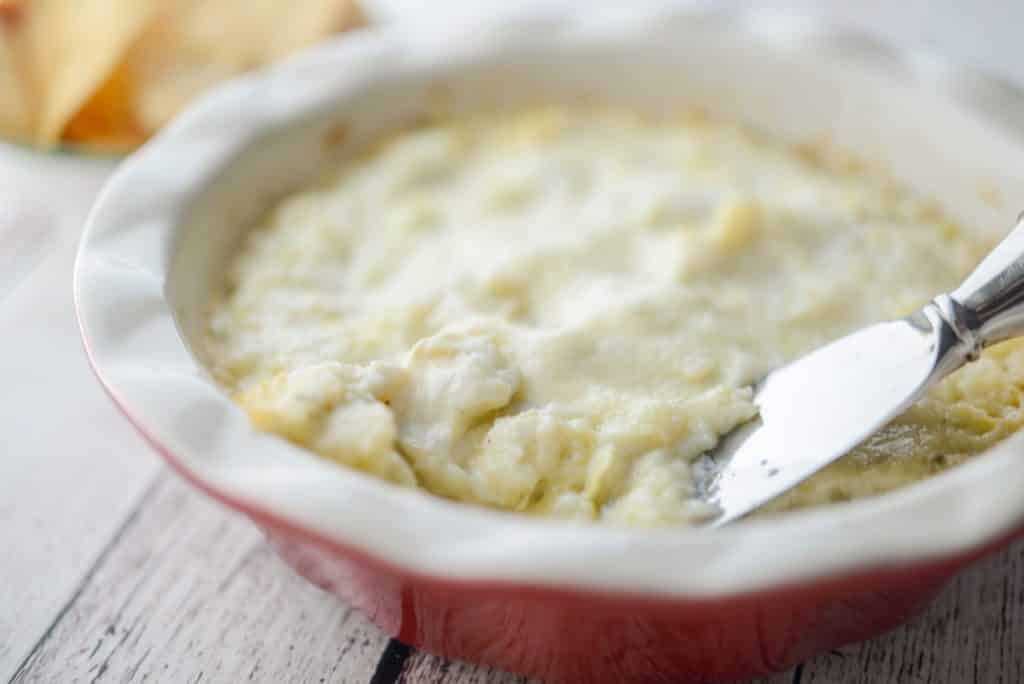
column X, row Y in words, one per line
column 556, row 311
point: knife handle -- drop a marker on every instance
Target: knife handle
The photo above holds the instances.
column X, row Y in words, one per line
column 988, row 307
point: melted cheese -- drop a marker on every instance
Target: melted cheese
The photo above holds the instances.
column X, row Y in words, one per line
column 556, row 311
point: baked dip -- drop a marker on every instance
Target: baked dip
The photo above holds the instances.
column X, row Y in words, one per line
column 556, row 311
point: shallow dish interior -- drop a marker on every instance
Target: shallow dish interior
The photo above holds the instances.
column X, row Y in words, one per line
column 163, row 230
column 963, row 162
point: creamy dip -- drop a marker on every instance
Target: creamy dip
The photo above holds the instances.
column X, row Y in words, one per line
column 555, row 311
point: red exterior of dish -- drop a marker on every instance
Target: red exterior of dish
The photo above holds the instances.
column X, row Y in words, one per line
column 565, row 636
column 569, row 636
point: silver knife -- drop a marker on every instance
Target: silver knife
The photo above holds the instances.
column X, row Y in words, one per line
column 821, row 406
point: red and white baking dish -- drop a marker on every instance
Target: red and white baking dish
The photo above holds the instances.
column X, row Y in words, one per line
column 561, row 601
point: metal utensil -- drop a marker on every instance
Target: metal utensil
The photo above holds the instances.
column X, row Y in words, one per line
column 821, row 406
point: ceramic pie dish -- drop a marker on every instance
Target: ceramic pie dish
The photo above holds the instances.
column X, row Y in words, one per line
column 560, row 601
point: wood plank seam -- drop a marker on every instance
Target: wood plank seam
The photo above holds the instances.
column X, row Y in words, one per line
column 392, row 663
column 105, row 552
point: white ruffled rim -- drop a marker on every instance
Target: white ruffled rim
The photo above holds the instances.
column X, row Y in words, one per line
column 133, row 342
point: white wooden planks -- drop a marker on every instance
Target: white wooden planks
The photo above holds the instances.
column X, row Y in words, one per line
column 974, row 632
column 192, row 593
column 423, row 668
column 70, row 467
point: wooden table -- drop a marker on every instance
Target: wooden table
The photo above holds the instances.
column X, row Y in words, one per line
column 186, row 591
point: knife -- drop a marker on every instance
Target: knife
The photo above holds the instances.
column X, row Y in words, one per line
column 821, row 406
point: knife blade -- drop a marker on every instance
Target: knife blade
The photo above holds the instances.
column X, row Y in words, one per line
column 821, row 406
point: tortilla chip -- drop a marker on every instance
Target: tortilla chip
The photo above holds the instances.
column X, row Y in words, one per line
column 17, row 106
column 108, row 119
column 112, row 72
column 73, row 46
column 55, row 53
column 193, row 45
